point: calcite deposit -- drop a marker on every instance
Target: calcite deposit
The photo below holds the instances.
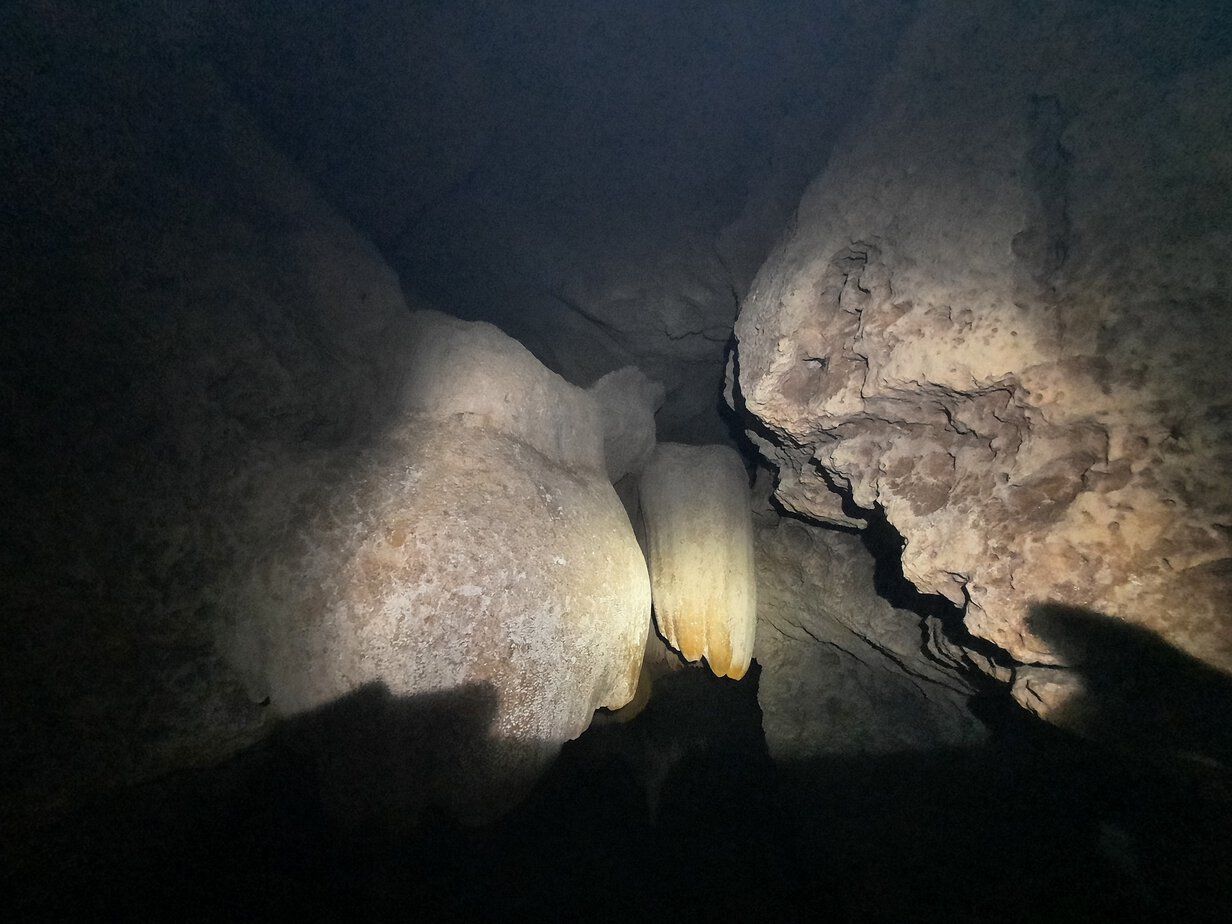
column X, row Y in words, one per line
column 477, row 547
column 699, row 545
column 252, row 492
column 1001, row 317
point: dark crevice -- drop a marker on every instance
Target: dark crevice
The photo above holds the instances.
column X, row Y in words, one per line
column 886, row 544
column 738, row 421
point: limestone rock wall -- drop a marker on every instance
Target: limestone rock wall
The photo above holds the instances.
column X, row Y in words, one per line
column 699, row 545
column 179, row 309
column 1002, row 313
column 629, row 400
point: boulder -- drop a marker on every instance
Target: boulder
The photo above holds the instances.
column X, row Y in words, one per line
column 477, row 546
column 1000, row 318
column 699, row 538
column 184, row 316
column 629, row 400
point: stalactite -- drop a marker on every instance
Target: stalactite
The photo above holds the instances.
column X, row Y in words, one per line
column 695, row 503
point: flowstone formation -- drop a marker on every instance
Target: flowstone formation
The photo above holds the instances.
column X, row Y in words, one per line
column 253, row 493
column 1001, row 317
column 479, row 546
column 695, row 506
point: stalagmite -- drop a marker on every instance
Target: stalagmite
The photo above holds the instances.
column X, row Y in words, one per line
column 699, row 532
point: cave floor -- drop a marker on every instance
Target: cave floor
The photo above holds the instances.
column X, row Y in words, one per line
column 1034, row 826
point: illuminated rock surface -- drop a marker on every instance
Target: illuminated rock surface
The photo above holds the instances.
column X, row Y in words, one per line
column 479, row 546
column 1002, row 316
column 331, row 560
column 695, row 505
column 248, row 484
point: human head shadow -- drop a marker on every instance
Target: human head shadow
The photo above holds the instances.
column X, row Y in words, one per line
column 380, row 762
column 289, row 823
column 1136, row 690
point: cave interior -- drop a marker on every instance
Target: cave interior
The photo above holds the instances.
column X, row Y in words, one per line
column 267, row 267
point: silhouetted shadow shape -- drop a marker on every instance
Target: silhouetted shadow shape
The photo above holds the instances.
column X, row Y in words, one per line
column 287, row 827
column 1167, row 718
column 1137, row 690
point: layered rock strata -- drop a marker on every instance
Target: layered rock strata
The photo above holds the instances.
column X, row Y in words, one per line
column 843, row 672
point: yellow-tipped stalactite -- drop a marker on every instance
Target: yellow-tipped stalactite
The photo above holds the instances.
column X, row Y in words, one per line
column 699, row 545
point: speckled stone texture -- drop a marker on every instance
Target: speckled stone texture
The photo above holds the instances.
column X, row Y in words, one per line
column 478, row 546
column 1002, row 315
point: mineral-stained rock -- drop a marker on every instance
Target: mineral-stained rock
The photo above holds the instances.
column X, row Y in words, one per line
column 842, row 671
column 1002, row 316
column 629, row 400
column 695, row 505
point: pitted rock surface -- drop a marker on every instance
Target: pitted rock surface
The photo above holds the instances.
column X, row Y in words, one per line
column 1002, row 316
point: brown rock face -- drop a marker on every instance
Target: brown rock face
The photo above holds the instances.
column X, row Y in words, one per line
column 1003, row 317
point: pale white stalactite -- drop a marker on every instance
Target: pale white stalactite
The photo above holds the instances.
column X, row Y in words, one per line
column 699, row 532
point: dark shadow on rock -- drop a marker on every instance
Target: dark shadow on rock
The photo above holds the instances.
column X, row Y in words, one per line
column 1136, row 690
column 738, row 420
column 284, row 827
column 677, row 814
